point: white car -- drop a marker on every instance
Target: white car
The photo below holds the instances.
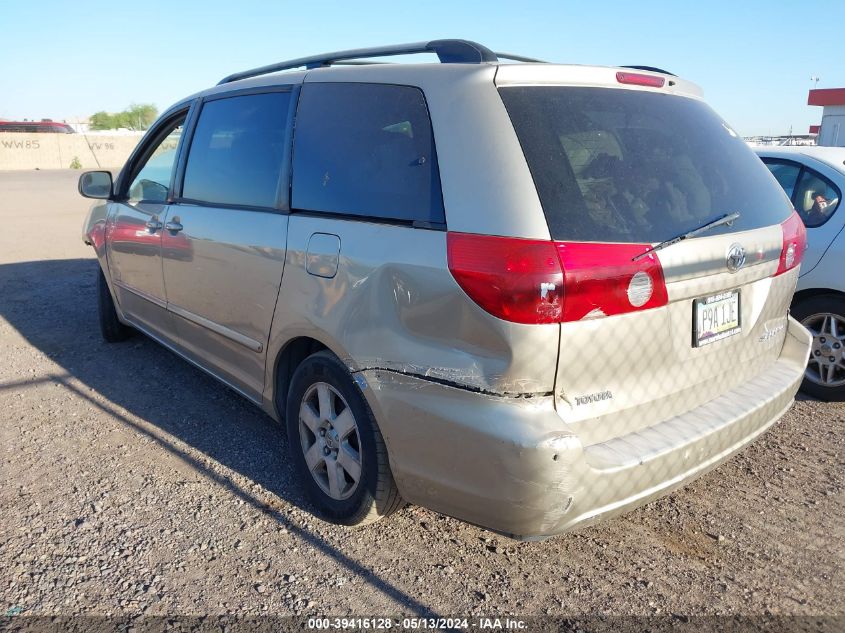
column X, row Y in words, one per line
column 814, row 178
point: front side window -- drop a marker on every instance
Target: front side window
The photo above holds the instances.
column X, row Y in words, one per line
column 614, row 165
column 237, row 151
column 151, row 182
column 366, row 150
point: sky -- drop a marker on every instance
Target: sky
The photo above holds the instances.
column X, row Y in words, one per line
column 754, row 59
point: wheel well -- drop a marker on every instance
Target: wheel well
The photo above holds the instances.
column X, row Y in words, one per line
column 296, row 351
column 803, row 295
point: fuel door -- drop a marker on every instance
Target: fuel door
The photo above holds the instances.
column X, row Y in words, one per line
column 323, row 255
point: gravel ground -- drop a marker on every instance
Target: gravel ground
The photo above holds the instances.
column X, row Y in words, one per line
column 132, row 483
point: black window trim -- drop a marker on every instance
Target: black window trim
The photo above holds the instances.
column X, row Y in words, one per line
column 282, row 205
column 370, row 219
column 768, row 160
column 338, row 215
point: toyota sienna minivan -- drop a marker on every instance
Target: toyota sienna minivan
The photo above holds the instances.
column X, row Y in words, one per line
column 526, row 295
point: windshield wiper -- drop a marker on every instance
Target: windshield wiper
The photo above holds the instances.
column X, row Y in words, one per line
column 728, row 218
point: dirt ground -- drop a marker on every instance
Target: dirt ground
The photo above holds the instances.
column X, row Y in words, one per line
column 133, row 483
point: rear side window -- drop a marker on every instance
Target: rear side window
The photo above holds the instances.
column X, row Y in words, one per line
column 814, row 196
column 635, row 166
column 237, row 151
column 365, row 150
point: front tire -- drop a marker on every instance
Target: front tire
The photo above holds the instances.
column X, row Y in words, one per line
column 112, row 329
column 339, row 454
column 824, row 316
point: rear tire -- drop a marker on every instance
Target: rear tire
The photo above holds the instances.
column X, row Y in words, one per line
column 110, row 326
column 330, row 426
column 824, row 316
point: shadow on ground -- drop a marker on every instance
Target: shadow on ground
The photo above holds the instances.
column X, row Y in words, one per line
column 52, row 304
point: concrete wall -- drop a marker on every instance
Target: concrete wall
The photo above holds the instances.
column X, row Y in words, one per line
column 57, row 151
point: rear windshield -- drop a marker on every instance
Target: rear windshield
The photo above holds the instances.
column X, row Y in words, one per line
column 615, row 165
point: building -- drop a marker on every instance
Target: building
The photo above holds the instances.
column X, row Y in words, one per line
column 832, row 129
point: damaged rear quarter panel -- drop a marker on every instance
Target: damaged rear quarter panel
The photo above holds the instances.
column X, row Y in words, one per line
column 505, row 463
column 393, row 305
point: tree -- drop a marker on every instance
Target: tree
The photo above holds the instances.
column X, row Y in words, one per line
column 101, row 121
column 138, row 116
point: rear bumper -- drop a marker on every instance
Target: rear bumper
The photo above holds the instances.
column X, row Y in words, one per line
column 512, row 465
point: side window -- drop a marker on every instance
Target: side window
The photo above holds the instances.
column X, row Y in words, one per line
column 237, row 151
column 365, row 150
column 786, row 173
column 816, row 197
column 151, row 183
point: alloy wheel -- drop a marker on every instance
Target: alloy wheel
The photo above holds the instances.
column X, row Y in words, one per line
column 330, row 441
column 826, row 366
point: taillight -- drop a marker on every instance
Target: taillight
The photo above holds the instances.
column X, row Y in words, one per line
column 602, row 280
column 514, row 279
column 794, row 243
column 538, row 281
column 638, row 79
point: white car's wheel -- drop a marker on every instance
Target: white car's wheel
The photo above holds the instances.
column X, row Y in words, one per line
column 824, row 316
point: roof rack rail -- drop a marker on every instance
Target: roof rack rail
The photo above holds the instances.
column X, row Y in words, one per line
column 651, row 69
column 519, row 58
column 449, row 52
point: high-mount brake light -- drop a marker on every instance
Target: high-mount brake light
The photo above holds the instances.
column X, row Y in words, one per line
column 794, row 243
column 639, row 79
column 539, row 281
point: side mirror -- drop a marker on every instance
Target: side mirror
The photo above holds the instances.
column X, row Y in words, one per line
column 96, row 184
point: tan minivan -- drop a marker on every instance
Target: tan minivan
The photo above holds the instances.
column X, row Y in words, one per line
column 526, row 295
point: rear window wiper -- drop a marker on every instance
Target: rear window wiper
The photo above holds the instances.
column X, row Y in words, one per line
column 728, row 218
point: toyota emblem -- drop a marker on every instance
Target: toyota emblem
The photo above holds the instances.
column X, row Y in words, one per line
column 736, row 257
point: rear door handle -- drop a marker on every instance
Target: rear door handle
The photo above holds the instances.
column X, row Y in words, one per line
column 173, row 226
column 153, row 225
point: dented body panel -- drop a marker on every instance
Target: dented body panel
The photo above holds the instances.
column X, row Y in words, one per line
column 393, row 305
column 447, row 446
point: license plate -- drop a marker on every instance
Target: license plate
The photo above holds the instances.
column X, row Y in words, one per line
column 715, row 318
